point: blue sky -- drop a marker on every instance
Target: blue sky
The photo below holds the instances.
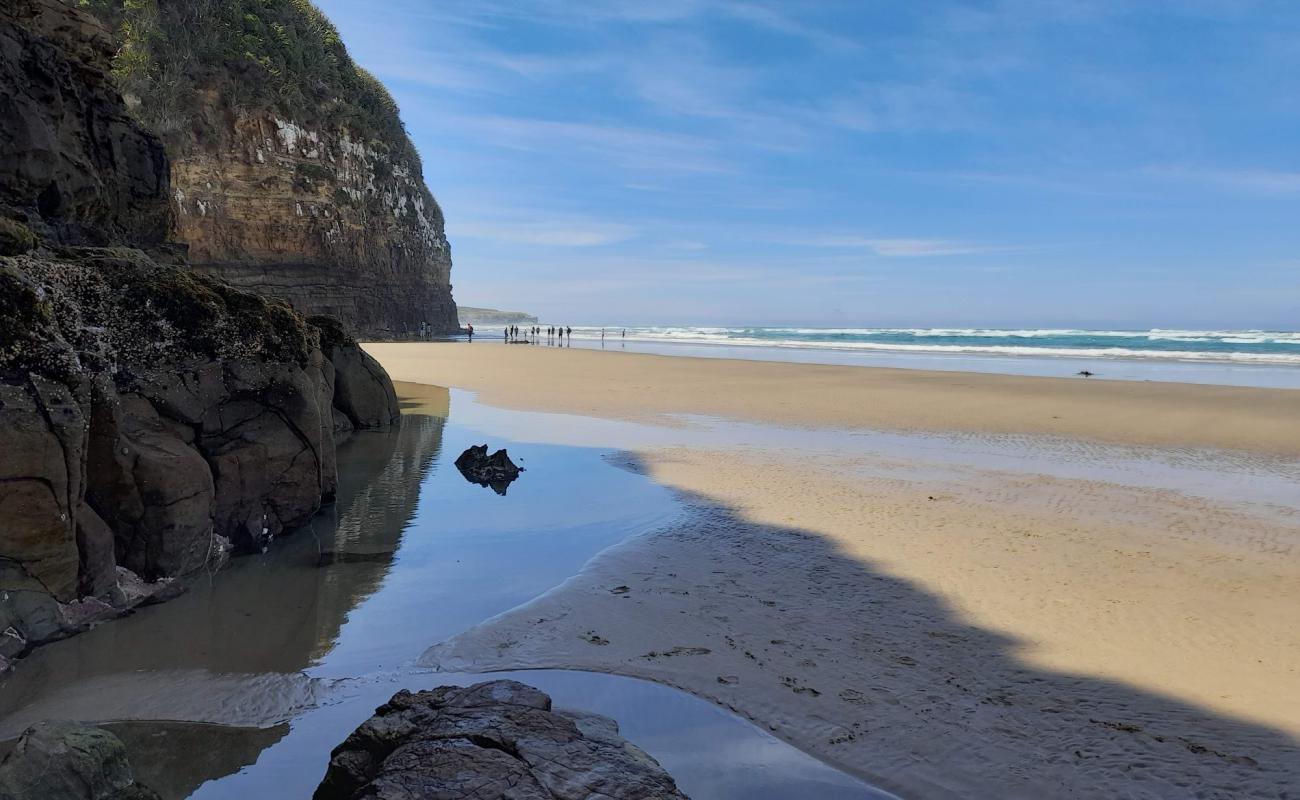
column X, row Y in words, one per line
column 867, row 162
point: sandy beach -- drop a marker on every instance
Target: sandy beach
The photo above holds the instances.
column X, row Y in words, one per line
column 970, row 630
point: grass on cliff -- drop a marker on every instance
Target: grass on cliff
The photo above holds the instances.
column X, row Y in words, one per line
column 187, row 61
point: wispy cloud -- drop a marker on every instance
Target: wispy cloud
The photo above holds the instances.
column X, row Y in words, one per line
column 626, row 146
column 1256, row 180
column 899, row 248
column 545, row 232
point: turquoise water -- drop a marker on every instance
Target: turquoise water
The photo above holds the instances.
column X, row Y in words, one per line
column 1231, row 358
column 1265, row 347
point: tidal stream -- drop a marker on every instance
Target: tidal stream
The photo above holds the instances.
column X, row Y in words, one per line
column 242, row 686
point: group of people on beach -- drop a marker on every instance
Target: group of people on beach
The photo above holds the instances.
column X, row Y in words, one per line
column 533, row 334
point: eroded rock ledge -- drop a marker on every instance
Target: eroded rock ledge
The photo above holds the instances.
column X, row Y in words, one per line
column 493, row 739
column 152, row 418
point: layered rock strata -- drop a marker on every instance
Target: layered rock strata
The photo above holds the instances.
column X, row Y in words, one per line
column 292, row 174
column 331, row 224
column 151, row 417
column 493, row 739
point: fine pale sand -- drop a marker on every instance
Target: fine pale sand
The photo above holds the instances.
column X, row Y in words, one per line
column 965, row 632
column 640, row 386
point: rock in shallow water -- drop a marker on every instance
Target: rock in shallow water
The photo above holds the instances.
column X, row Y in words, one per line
column 496, row 470
column 69, row 761
column 498, row 739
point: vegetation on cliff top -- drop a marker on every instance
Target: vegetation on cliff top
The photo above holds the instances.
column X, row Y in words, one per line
column 183, row 60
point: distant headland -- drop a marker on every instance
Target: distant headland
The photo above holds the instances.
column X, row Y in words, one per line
column 492, row 316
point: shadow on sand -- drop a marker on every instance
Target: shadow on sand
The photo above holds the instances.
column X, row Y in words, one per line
column 886, row 681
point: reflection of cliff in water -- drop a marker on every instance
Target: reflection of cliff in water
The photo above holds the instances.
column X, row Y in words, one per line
column 274, row 613
column 374, row 507
column 175, row 758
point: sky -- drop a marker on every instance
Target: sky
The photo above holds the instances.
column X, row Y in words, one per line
column 1002, row 163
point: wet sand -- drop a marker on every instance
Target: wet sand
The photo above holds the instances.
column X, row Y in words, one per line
column 966, row 631
column 640, row 386
column 263, row 668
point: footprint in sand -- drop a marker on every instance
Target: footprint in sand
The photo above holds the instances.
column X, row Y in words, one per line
column 679, row 651
column 793, row 685
column 591, row 637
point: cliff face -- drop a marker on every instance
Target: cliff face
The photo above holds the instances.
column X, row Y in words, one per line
column 333, row 224
column 151, row 416
column 292, row 174
column 73, row 164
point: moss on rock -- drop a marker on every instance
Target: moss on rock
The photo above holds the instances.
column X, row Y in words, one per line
column 15, row 238
column 114, row 309
column 332, row 333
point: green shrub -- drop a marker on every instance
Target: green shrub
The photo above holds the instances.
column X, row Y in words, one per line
column 276, row 56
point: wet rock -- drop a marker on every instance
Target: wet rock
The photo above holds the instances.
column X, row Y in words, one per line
column 29, row 614
column 496, row 470
column 15, row 238
column 363, row 392
column 153, row 489
column 42, row 439
column 493, row 739
column 265, row 445
column 69, row 761
column 74, row 164
column 150, row 416
column 97, row 574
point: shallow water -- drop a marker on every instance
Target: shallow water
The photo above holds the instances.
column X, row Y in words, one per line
column 1223, row 373
column 241, row 687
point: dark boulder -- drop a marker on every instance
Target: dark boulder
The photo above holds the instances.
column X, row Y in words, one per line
column 96, row 548
column 29, row 615
column 496, row 470
column 150, row 486
column 42, row 437
column 494, row 739
column 73, row 164
column 363, row 392
column 69, row 761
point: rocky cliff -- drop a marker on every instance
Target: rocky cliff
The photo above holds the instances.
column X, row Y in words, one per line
column 76, row 166
column 292, row 174
column 151, row 417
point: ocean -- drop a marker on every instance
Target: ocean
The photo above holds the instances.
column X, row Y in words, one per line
column 1233, row 357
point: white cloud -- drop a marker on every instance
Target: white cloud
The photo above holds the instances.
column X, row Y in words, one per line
column 545, row 232
column 900, row 248
column 631, row 147
column 1259, row 180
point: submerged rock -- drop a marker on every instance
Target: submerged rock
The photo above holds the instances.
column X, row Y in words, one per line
column 494, row 739
column 69, row 761
column 496, row 470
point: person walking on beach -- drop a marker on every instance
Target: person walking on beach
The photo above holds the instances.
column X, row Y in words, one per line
column 469, row 329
